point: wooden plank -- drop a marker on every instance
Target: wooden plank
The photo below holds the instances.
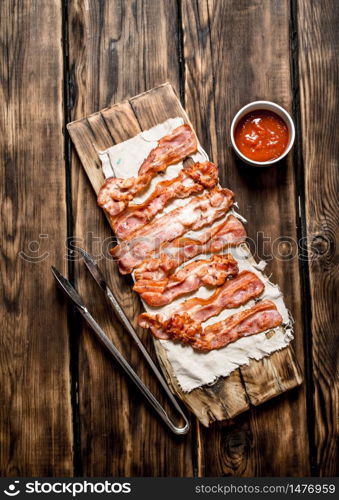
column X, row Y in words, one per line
column 318, row 68
column 234, row 53
column 118, row 49
column 157, row 105
column 35, row 407
column 120, row 115
column 83, row 134
column 267, row 378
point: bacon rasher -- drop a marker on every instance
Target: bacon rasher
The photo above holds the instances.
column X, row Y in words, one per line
column 212, row 272
column 230, row 232
column 262, row 316
column 191, row 180
column 199, row 212
column 115, row 194
column 189, row 315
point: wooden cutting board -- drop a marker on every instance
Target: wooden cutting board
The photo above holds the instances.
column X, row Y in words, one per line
column 249, row 385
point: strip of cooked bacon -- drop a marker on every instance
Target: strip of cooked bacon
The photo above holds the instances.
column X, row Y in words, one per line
column 230, row 232
column 115, row 194
column 199, row 212
column 189, row 315
column 263, row 316
column 191, row 180
column 171, row 148
column 212, row 272
column 233, row 293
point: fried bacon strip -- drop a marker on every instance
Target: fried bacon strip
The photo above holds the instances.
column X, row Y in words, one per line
column 262, row 316
column 233, row 293
column 230, row 232
column 191, row 180
column 213, row 272
column 189, row 315
column 171, row 148
column 115, row 194
column 199, row 212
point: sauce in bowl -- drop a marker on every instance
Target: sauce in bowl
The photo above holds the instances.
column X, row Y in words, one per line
column 261, row 135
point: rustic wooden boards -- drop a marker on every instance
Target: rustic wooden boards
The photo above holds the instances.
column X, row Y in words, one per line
column 35, row 408
column 221, row 56
column 235, row 53
column 108, row 47
column 318, row 67
column 261, row 380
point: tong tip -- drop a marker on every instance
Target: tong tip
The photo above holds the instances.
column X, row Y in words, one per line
column 94, row 269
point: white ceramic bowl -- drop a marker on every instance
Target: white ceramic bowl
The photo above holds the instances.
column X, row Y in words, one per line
column 269, row 106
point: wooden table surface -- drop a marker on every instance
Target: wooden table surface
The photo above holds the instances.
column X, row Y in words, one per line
column 65, row 408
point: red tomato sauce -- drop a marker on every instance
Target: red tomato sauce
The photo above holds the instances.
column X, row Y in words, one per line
column 261, row 135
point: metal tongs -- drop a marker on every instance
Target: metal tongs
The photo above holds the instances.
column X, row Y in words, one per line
column 77, row 300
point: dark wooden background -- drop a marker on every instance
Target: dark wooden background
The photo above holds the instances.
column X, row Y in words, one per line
column 64, row 407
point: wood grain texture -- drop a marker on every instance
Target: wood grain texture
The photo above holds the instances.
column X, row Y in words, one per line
column 319, row 73
column 236, row 52
column 35, row 407
column 220, row 54
column 115, row 53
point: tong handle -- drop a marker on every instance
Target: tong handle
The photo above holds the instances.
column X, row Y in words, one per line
column 135, row 378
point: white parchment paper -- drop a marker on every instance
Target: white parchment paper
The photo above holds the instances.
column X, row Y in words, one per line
column 192, row 368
